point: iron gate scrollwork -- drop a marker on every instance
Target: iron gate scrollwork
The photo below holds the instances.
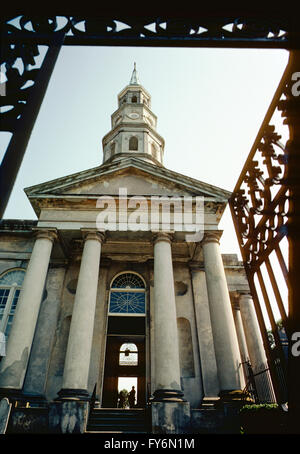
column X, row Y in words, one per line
column 263, row 210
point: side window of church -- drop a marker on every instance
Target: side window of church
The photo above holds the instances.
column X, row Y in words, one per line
column 10, row 287
column 133, row 143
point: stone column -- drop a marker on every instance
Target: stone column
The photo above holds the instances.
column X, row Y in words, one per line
column 14, row 365
column 241, row 336
column 38, row 367
column 240, row 333
column 167, row 367
column 77, row 362
column 253, row 337
column 206, row 342
column 225, row 338
column 170, row 413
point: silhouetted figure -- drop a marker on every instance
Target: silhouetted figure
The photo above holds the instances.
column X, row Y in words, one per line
column 131, row 397
column 121, row 400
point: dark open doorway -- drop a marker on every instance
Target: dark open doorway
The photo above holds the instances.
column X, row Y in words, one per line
column 125, row 358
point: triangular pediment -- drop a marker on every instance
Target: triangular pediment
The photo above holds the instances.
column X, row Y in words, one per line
column 140, row 178
column 136, row 176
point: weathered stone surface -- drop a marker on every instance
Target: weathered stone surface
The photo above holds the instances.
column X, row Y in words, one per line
column 28, row 421
column 207, row 421
column 171, row 417
column 38, row 366
column 5, row 408
column 68, row 416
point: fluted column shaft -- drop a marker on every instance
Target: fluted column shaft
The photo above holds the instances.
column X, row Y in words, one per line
column 252, row 332
column 14, row 365
column 225, row 338
column 167, row 367
column 240, row 334
column 77, row 362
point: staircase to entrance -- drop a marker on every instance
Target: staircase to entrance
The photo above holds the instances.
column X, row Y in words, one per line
column 118, row 420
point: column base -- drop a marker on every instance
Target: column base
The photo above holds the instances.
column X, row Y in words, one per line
column 19, row 398
column 235, row 397
column 168, row 395
column 73, row 394
column 170, row 417
column 230, row 403
column 68, row 416
column 12, row 394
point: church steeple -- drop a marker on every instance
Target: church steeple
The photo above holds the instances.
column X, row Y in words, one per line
column 133, row 125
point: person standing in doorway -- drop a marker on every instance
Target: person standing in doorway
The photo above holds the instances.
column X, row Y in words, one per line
column 131, row 397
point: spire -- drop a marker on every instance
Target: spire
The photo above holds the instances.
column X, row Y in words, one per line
column 134, row 78
column 133, row 127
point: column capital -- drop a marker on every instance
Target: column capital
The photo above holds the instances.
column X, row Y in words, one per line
column 162, row 236
column 43, row 232
column 93, row 234
column 235, row 299
column 245, row 296
column 212, row 237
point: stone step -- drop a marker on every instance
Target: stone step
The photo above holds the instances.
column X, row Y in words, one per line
column 117, row 421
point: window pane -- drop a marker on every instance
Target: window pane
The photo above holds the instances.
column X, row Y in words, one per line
column 14, row 302
column 131, row 347
column 128, row 280
column 128, row 355
column 127, row 302
column 130, row 360
column 3, row 299
column 12, row 277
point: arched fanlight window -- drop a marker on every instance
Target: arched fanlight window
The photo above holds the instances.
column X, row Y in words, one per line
column 127, row 295
column 133, row 143
column 128, row 355
column 10, row 286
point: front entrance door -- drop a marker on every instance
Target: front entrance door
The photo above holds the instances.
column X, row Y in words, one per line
column 125, row 357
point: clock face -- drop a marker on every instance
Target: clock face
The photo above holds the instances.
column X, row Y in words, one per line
column 133, row 115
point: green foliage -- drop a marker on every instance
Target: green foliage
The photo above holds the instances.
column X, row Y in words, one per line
column 257, row 407
column 125, row 396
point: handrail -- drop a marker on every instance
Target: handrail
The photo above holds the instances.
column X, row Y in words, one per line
column 93, row 399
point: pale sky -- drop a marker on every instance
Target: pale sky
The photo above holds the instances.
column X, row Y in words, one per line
column 210, row 104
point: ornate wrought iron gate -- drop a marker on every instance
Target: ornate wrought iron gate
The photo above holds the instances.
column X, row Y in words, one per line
column 265, row 202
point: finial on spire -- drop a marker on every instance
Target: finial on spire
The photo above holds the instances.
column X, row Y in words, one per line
column 134, row 78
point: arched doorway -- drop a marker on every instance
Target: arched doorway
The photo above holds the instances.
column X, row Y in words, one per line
column 125, row 345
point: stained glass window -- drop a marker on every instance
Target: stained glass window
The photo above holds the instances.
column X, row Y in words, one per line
column 127, row 295
column 127, row 302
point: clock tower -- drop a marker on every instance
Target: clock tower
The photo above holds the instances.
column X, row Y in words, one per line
column 133, row 125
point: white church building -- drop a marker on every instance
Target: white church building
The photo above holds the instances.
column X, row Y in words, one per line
column 121, row 276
